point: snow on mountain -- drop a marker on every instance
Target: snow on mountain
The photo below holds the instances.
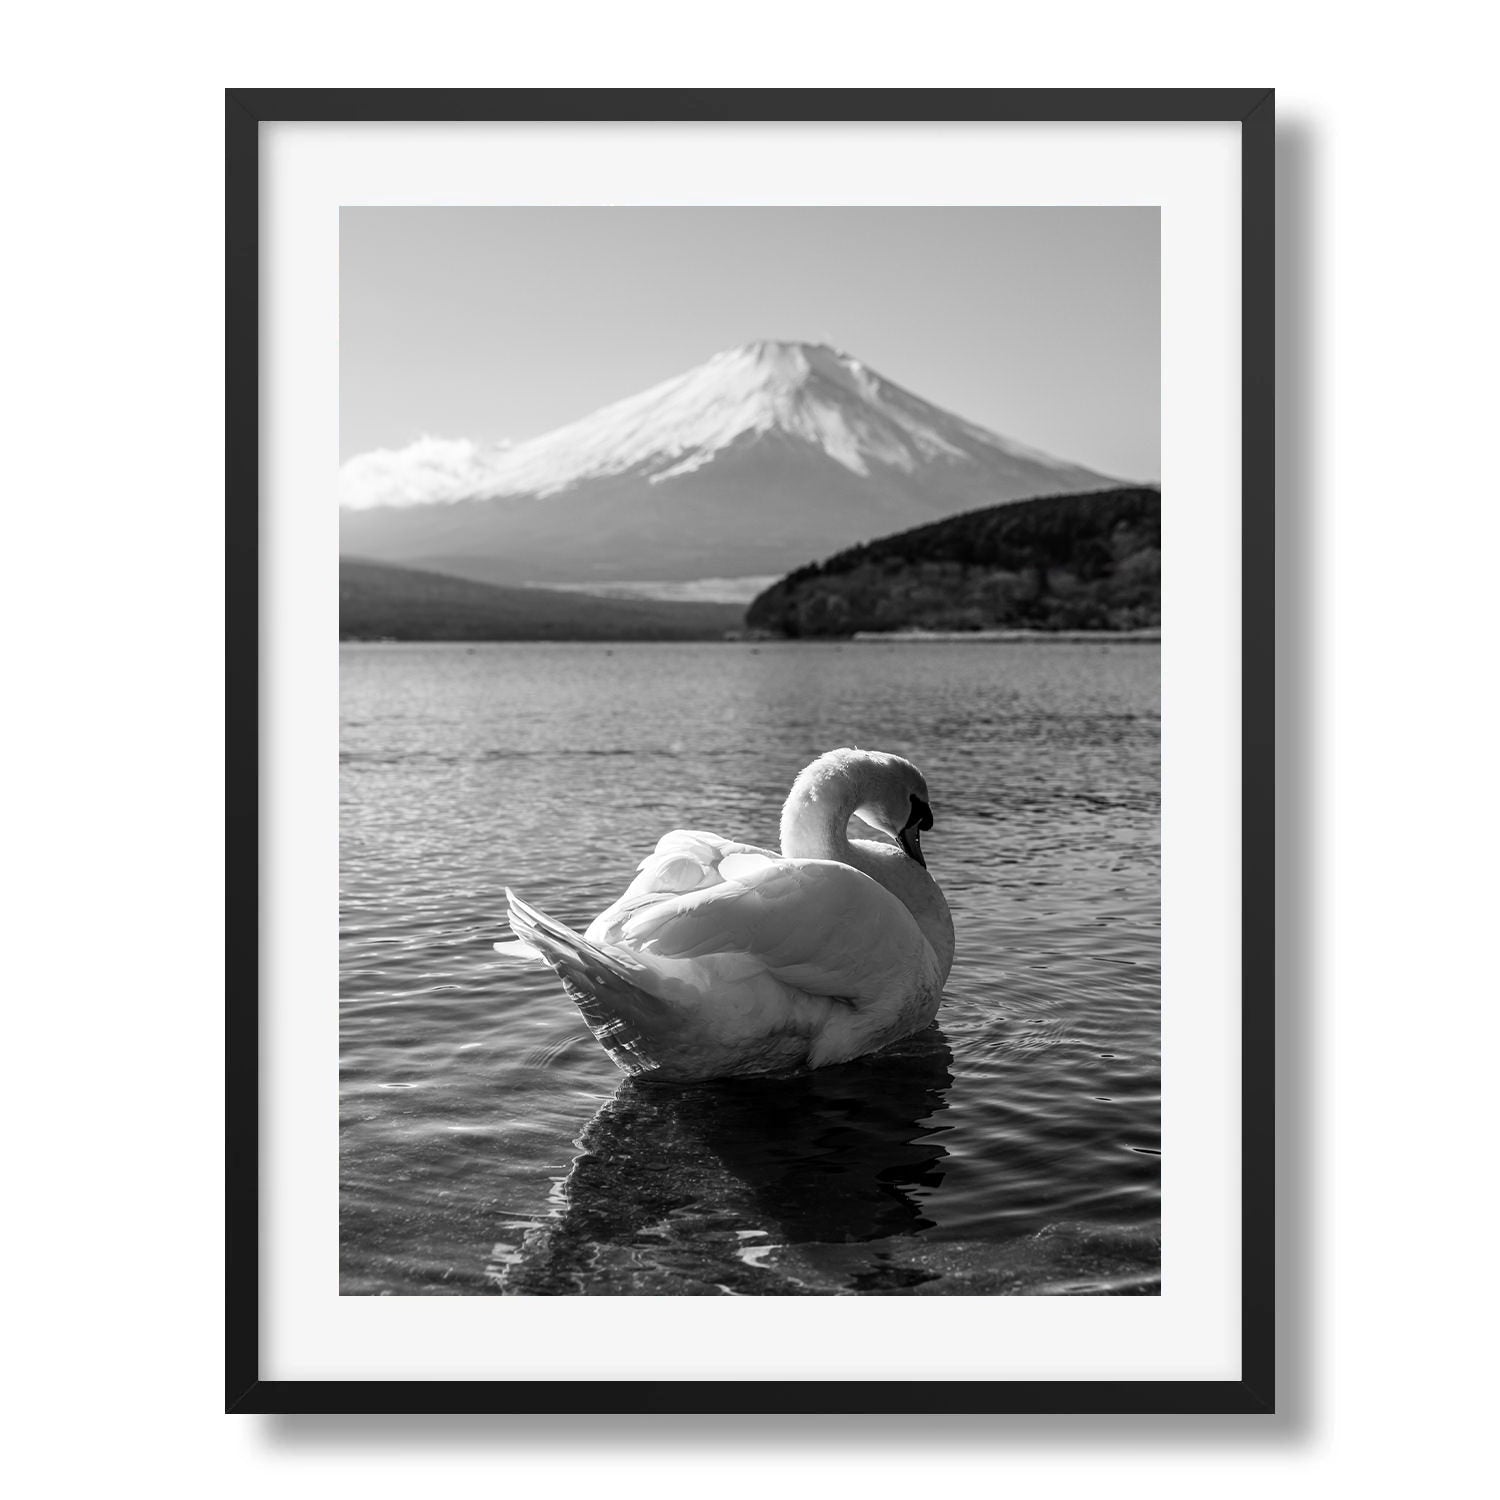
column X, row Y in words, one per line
column 761, row 458
column 809, row 391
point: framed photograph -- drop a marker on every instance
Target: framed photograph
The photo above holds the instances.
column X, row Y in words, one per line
column 751, row 742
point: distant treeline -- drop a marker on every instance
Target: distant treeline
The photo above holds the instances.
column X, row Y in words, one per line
column 378, row 601
column 1067, row 562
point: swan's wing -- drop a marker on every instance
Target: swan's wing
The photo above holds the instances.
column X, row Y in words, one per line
column 686, row 859
column 823, row 927
column 683, row 861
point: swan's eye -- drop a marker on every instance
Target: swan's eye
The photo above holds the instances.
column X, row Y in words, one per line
column 921, row 815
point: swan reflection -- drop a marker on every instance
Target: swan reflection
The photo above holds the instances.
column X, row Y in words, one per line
column 694, row 1184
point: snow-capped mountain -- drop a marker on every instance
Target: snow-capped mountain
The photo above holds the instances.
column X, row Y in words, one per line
column 765, row 457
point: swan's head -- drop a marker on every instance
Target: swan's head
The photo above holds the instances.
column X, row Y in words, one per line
column 889, row 793
column 896, row 801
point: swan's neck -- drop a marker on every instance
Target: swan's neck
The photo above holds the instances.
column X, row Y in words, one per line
column 815, row 825
column 815, row 820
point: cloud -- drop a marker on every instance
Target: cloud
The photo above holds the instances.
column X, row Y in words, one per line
column 430, row 469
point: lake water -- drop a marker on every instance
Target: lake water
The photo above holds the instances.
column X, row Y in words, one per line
column 488, row 1145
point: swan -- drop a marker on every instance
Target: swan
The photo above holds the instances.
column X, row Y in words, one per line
column 724, row 959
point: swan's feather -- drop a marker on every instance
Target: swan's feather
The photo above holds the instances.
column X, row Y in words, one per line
column 687, row 859
column 519, row 950
column 628, row 1021
column 820, row 926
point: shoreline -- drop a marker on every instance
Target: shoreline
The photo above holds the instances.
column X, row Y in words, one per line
column 863, row 637
column 1147, row 636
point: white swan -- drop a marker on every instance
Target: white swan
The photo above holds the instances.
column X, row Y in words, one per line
column 723, row 958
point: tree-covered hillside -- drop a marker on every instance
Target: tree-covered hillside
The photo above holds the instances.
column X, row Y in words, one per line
column 1067, row 562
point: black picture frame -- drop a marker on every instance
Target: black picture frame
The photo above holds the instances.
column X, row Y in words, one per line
column 1253, row 109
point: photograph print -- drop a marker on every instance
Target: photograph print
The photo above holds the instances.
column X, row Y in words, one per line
column 750, row 751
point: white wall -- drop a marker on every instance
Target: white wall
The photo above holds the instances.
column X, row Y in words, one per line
column 1388, row 499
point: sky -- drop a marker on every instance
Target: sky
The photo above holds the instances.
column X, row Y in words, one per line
column 1042, row 324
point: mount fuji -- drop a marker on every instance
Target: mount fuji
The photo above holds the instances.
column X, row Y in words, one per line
column 763, row 458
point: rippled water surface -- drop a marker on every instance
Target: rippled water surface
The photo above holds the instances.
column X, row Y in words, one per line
column 489, row 1147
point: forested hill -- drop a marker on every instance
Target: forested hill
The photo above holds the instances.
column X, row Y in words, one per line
column 1067, row 562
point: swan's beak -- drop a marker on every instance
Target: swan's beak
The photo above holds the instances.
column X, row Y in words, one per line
column 921, row 817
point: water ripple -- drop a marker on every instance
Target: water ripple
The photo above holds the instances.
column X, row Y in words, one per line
column 489, row 1147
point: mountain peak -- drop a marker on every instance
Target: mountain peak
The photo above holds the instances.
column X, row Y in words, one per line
column 785, row 360
column 800, row 397
column 808, row 393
